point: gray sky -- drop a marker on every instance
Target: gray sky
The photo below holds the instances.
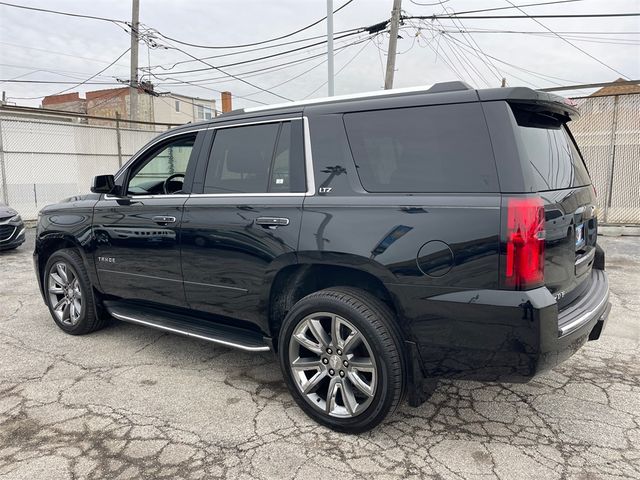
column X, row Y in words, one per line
column 41, row 46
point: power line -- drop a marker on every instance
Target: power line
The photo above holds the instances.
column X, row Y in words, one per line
column 76, row 85
column 247, row 82
column 434, row 4
column 276, row 67
column 68, row 14
column 338, row 72
column 253, row 43
column 265, row 57
column 355, row 30
column 53, row 82
column 497, row 17
column 567, row 41
column 508, row 8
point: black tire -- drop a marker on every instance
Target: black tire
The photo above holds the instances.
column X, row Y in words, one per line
column 377, row 324
column 87, row 320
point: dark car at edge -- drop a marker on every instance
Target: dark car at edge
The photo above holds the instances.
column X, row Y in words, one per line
column 11, row 228
column 373, row 242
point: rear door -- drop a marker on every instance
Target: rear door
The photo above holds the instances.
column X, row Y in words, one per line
column 242, row 223
column 554, row 168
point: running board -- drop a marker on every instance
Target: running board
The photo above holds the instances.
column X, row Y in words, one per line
column 220, row 334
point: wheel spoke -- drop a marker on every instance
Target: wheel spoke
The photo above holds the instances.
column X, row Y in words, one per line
column 313, row 382
column 57, row 279
column 66, row 311
column 61, row 268
column 360, row 384
column 349, row 399
column 56, row 290
column 306, row 363
column 72, row 310
column 335, row 331
column 58, row 307
column 362, row 364
column 77, row 306
column 352, row 341
column 318, row 332
column 307, row 343
column 332, row 393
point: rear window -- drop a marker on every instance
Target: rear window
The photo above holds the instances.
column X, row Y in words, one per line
column 547, row 147
column 442, row 148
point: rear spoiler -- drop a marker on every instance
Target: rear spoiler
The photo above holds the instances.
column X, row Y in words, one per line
column 561, row 108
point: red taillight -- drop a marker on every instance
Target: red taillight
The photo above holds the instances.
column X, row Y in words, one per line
column 525, row 243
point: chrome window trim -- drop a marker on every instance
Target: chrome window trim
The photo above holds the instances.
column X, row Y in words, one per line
column 159, row 139
column 308, row 161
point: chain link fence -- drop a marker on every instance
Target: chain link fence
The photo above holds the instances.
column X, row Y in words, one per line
column 42, row 161
column 608, row 134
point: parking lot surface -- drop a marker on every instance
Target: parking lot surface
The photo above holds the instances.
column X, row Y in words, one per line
column 131, row 402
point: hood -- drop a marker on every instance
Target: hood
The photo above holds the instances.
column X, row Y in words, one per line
column 6, row 211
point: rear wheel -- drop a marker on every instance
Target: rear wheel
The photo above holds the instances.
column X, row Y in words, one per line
column 340, row 355
column 68, row 293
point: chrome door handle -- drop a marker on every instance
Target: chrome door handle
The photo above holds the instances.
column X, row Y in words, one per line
column 161, row 219
column 272, row 222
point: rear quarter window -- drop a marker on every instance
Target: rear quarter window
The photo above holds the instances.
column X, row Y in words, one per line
column 442, row 148
column 548, row 149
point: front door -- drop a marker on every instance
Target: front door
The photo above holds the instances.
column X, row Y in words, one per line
column 137, row 232
column 244, row 221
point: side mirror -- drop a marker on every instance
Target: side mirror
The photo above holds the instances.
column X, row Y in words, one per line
column 103, row 184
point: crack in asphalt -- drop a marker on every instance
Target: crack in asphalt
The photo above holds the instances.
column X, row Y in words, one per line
column 128, row 402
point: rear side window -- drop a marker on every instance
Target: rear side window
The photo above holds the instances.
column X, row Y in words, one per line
column 442, row 148
column 547, row 147
column 265, row 158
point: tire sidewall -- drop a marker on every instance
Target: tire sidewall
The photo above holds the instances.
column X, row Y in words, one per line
column 383, row 398
column 85, row 289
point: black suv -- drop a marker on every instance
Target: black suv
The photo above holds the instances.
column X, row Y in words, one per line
column 374, row 242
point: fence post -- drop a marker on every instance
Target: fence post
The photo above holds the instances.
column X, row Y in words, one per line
column 612, row 156
column 3, row 170
column 118, row 139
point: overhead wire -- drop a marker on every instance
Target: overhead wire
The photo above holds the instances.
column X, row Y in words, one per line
column 195, row 45
column 76, row 85
column 568, row 42
column 339, row 71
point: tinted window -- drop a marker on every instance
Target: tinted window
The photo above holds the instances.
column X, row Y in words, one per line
column 548, row 149
column 442, row 148
column 256, row 159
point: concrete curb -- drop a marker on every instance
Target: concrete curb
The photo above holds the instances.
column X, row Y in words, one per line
column 619, row 230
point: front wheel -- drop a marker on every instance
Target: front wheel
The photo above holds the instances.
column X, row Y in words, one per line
column 69, row 294
column 340, row 355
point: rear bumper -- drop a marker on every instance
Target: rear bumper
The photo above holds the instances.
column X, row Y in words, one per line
column 498, row 335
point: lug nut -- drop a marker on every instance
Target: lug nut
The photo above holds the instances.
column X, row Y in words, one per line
column 339, row 352
column 345, row 363
column 342, row 373
column 331, row 371
column 325, row 360
column 329, row 351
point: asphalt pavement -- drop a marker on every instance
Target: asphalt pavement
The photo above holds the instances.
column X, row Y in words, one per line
column 131, row 402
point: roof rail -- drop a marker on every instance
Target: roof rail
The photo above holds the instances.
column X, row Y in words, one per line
column 435, row 88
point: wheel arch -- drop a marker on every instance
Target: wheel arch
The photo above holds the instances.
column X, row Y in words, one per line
column 49, row 243
column 295, row 281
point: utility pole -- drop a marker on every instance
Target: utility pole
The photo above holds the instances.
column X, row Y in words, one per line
column 330, row 47
column 393, row 43
column 133, row 76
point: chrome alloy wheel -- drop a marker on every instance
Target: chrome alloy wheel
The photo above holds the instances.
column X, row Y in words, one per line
column 332, row 365
column 65, row 296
